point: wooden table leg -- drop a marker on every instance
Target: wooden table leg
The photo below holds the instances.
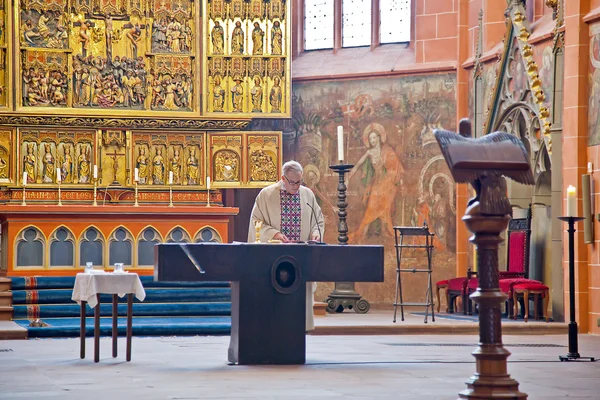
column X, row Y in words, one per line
column 82, row 330
column 526, row 301
column 97, row 330
column 129, row 324
column 115, row 333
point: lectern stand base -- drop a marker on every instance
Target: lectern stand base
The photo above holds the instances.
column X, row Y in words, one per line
column 345, row 297
column 575, row 357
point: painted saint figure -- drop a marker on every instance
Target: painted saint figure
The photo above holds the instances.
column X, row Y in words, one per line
column 158, row 168
column 257, row 39
column 237, row 96
column 276, row 39
column 237, row 39
column 29, row 164
column 84, row 165
column 176, row 167
column 217, row 35
column 218, row 95
column 257, row 95
column 382, row 173
column 49, row 174
column 66, row 168
column 192, row 168
column 142, row 165
column 275, row 96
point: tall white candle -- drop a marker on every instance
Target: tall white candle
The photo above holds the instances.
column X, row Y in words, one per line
column 136, row 175
column 95, row 172
column 571, row 201
column 340, row 142
column 25, row 178
column 170, row 177
column 58, row 176
column 208, row 182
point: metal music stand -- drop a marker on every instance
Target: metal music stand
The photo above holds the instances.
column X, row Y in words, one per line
column 400, row 232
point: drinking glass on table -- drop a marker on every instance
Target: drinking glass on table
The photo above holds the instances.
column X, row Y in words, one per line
column 119, row 268
column 89, row 267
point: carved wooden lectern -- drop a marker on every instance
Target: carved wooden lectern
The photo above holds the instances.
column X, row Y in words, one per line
column 484, row 163
column 268, row 281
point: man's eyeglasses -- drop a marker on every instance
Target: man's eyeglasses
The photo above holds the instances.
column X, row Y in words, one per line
column 291, row 182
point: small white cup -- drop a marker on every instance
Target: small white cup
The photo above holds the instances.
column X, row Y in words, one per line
column 89, row 266
column 119, row 268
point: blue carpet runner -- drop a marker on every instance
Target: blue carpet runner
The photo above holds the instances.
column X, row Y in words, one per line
column 170, row 308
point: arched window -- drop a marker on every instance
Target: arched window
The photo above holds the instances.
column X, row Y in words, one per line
column 120, row 249
column 30, row 248
column 207, row 235
column 91, row 247
column 62, row 248
column 178, row 235
column 146, row 241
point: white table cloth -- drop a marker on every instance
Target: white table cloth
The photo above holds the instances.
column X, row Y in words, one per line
column 88, row 285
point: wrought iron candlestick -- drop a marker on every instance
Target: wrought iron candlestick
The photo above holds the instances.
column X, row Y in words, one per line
column 573, row 354
column 59, row 194
column 95, row 203
column 344, row 295
column 136, row 204
column 170, row 195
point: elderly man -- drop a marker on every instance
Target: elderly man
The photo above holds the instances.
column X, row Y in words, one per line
column 289, row 212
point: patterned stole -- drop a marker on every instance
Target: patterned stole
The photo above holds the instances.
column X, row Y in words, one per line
column 290, row 214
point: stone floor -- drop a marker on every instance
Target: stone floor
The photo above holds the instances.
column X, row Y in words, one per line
column 338, row 367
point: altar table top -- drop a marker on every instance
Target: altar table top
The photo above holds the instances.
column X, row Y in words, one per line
column 88, row 285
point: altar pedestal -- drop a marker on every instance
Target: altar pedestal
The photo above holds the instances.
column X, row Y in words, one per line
column 51, row 240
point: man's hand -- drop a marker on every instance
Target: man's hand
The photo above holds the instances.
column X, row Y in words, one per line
column 282, row 237
column 315, row 236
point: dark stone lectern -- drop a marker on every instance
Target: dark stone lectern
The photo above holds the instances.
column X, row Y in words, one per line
column 268, row 288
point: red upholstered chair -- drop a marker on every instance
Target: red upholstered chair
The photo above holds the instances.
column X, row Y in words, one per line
column 538, row 290
column 518, row 238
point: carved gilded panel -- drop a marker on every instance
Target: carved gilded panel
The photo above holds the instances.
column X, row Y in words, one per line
column 226, row 155
column 157, row 155
column 4, row 55
column 44, row 154
column 6, row 156
column 247, row 58
column 264, row 158
column 115, row 56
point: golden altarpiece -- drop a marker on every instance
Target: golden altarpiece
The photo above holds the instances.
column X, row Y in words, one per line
column 127, row 117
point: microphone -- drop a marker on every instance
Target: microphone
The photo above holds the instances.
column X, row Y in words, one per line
column 318, row 227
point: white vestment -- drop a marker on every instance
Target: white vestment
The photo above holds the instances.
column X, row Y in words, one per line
column 267, row 208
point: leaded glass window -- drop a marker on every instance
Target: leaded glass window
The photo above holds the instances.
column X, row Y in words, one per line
column 394, row 21
column 356, row 23
column 318, row 24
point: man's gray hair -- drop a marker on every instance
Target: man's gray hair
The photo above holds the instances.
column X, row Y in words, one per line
column 291, row 166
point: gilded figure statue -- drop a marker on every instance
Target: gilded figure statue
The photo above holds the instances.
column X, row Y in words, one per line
column 3, row 168
column 83, row 165
column 29, row 164
column 276, row 39
column 158, row 168
column 218, row 95
column 176, row 167
column 48, row 161
column 237, row 96
column 275, row 96
column 257, row 39
column 237, row 39
column 217, row 36
column 142, row 165
column 226, row 166
column 192, row 168
column 66, row 168
column 257, row 95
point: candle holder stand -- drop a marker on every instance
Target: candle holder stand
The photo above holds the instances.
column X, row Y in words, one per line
column 573, row 354
column 344, row 295
column 59, row 194
column 23, row 202
column 170, row 195
column 136, row 204
column 95, row 203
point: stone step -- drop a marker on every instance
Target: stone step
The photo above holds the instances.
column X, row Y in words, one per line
column 320, row 308
column 4, row 284
column 6, row 313
column 11, row 330
column 5, row 299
